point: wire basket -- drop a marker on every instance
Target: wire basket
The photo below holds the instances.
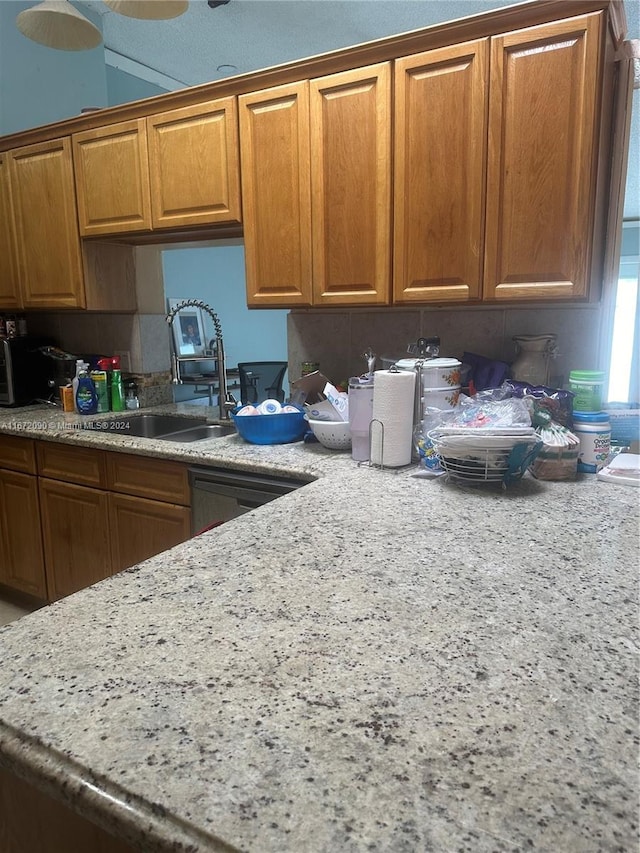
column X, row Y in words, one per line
column 478, row 458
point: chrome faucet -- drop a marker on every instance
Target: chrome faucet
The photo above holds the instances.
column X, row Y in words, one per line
column 226, row 400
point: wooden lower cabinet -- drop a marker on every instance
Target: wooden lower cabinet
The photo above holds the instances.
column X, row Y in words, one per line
column 141, row 528
column 75, row 530
column 21, row 555
column 71, row 516
column 31, row 821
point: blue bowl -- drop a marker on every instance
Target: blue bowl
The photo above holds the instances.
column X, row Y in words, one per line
column 271, row 429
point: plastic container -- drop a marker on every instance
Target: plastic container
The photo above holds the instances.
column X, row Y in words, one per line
column 100, row 381
column 271, row 429
column 360, row 414
column 587, row 385
column 86, row 396
column 594, row 431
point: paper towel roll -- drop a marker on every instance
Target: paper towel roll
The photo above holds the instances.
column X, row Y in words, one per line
column 392, row 425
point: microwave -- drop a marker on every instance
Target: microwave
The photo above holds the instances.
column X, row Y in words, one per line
column 24, row 371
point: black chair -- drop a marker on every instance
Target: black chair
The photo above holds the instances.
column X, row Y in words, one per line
column 261, row 380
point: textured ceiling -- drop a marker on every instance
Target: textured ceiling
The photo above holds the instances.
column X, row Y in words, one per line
column 255, row 34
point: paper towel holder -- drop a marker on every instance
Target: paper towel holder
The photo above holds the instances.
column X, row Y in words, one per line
column 381, row 466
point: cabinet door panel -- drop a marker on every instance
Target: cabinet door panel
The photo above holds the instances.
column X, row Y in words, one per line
column 542, row 170
column 17, row 454
column 440, row 156
column 112, row 178
column 141, row 528
column 351, row 186
column 82, row 465
column 158, row 479
column 75, row 530
column 276, row 195
column 47, row 241
column 194, row 165
column 9, row 287
column 21, row 556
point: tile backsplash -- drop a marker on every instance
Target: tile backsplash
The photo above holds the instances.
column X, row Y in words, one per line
column 337, row 340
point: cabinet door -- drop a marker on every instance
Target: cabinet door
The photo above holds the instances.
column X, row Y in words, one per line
column 145, row 477
column 112, row 178
column 46, row 222
column 276, row 195
column 542, row 160
column 9, row 288
column 350, row 116
column 194, row 165
column 141, row 528
column 21, row 556
column 75, row 529
column 440, row 155
column 18, row 454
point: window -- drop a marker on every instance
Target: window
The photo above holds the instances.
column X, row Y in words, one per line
column 625, row 337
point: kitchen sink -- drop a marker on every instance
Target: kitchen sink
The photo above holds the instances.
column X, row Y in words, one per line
column 199, row 433
column 163, row 427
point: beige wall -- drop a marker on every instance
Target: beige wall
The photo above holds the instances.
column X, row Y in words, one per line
column 337, row 339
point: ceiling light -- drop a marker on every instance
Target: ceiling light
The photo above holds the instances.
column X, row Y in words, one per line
column 151, row 10
column 56, row 23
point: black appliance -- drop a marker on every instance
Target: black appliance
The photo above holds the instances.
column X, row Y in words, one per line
column 24, row 371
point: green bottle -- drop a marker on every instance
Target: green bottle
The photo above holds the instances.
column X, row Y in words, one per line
column 100, row 381
column 117, row 391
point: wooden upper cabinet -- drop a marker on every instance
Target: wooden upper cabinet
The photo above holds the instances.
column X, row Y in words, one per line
column 9, row 287
column 276, row 195
column 350, row 115
column 439, row 173
column 543, row 113
column 112, row 178
column 194, row 165
column 46, row 225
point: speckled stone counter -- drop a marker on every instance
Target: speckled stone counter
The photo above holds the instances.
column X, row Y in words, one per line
column 374, row 662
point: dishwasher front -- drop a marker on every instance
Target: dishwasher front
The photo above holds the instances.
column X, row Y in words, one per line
column 218, row 495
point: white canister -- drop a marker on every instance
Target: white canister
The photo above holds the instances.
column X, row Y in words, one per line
column 440, row 398
column 438, row 373
column 594, row 431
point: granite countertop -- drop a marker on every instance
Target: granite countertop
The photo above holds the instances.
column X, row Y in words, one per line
column 373, row 662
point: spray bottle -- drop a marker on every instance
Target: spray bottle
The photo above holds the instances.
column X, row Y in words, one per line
column 117, row 391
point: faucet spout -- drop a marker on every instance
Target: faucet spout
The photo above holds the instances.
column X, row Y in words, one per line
column 226, row 400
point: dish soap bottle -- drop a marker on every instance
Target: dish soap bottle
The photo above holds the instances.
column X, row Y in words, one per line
column 117, row 391
column 86, row 397
column 80, row 366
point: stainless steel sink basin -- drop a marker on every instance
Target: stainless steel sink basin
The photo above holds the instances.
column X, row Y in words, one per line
column 164, row 427
column 199, row 433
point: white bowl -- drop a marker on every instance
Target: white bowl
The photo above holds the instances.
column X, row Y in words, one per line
column 335, row 435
